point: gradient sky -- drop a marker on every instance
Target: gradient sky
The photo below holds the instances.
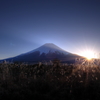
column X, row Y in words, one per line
column 73, row 25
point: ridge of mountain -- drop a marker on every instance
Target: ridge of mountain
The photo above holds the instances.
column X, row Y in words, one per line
column 46, row 52
column 49, row 47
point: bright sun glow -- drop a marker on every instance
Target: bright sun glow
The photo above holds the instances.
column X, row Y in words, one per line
column 89, row 54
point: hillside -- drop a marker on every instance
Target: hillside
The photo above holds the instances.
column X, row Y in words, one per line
column 46, row 52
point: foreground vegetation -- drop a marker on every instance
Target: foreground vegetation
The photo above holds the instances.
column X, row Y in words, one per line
column 50, row 81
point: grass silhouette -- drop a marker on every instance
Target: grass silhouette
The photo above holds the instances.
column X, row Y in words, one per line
column 52, row 82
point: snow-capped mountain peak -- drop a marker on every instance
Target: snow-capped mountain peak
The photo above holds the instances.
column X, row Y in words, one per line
column 46, row 52
column 49, row 47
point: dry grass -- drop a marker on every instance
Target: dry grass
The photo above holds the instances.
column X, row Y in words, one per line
column 53, row 82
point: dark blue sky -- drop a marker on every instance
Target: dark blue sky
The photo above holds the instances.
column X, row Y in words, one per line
column 25, row 25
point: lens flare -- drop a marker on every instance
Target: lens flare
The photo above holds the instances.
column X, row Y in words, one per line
column 89, row 54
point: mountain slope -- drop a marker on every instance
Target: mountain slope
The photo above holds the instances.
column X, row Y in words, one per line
column 46, row 52
column 49, row 47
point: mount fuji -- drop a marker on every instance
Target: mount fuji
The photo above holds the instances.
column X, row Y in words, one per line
column 46, row 52
column 49, row 48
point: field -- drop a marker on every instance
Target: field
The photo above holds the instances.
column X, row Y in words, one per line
column 79, row 81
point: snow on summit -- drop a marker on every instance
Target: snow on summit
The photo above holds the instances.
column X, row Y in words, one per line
column 49, row 47
column 51, row 52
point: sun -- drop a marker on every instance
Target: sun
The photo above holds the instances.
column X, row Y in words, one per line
column 89, row 54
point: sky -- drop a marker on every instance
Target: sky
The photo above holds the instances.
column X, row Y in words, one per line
column 73, row 25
